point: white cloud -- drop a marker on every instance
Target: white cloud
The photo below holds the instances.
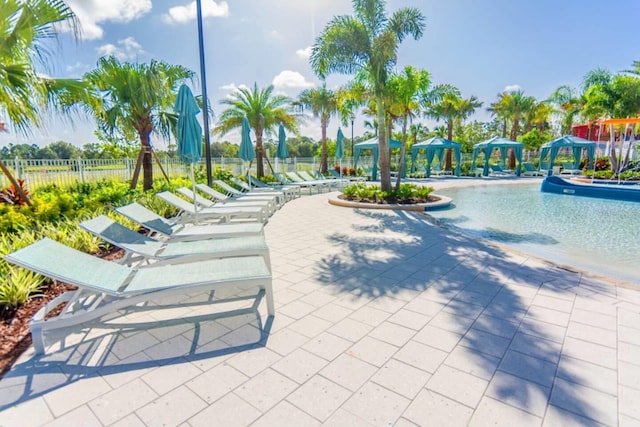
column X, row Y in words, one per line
column 232, row 88
column 304, row 53
column 77, row 67
column 274, row 35
column 512, row 88
column 91, row 13
column 126, row 49
column 291, row 79
column 186, row 13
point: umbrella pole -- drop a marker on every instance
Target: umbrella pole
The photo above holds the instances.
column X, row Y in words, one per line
column 193, row 188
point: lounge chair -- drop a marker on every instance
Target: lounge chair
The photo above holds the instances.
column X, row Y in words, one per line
column 321, row 179
column 222, row 201
column 530, row 170
column 437, row 170
column 139, row 247
column 297, row 179
column 348, row 178
column 173, row 231
column 190, row 214
column 276, row 197
column 569, row 169
column 105, row 287
column 302, row 185
column 496, row 170
column 341, row 182
column 290, row 191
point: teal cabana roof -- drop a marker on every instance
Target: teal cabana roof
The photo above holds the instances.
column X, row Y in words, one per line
column 568, row 141
column 502, row 144
column 372, row 144
column 433, row 146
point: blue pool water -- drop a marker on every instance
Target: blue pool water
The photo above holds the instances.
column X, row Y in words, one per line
column 597, row 235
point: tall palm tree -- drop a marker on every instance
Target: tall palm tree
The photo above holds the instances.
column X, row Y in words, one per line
column 448, row 104
column 25, row 28
column 405, row 91
column 367, row 42
column 135, row 96
column 264, row 111
column 499, row 110
column 568, row 104
column 323, row 103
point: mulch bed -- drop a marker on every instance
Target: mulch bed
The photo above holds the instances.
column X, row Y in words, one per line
column 14, row 325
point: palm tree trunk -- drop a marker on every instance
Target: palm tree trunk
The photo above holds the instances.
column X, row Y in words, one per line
column 323, row 158
column 403, row 150
column 514, row 136
column 259, row 154
column 448, row 157
column 504, row 128
column 147, row 161
column 383, row 147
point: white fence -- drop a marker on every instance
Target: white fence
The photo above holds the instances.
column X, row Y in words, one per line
column 37, row 173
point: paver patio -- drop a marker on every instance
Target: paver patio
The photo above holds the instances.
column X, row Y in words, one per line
column 381, row 318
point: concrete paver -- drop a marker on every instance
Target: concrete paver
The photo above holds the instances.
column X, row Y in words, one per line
column 381, row 318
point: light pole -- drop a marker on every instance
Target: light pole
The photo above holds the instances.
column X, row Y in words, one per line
column 205, row 99
column 353, row 154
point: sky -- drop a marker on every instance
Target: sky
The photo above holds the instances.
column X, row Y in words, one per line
column 483, row 47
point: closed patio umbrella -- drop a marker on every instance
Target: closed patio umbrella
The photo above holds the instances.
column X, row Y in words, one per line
column 281, row 152
column 340, row 148
column 246, row 152
column 188, row 132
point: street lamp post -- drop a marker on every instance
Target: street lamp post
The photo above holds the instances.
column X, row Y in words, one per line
column 205, row 99
column 353, row 117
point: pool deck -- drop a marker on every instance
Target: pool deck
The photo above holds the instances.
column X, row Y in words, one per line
column 381, row 319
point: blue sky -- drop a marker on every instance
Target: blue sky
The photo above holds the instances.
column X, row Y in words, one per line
column 482, row 46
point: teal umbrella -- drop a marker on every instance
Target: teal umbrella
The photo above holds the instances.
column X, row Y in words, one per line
column 281, row 152
column 340, row 145
column 188, row 131
column 246, row 152
column 340, row 148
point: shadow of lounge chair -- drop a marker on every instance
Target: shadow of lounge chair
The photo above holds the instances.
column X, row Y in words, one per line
column 171, row 230
column 105, row 287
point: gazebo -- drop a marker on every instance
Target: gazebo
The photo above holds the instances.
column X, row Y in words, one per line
column 574, row 143
column 433, row 146
column 372, row 144
column 503, row 144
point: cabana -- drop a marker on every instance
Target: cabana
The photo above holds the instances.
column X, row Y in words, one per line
column 487, row 147
column 373, row 144
column 435, row 146
column 574, row 143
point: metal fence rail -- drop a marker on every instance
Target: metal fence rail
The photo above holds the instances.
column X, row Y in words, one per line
column 38, row 173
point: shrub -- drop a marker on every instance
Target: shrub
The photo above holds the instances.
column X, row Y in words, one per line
column 17, row 286
column 407, row 193
column 12, row 196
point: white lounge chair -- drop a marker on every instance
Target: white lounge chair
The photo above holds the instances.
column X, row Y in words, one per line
column 139, row 247
column 189, row 212
column 278, row 197
column 291, row 191
column 173, row 231
column 105, row 287
column 275, row 201
column 226, row 202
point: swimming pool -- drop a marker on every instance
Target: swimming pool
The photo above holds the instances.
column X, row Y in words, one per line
column 601, row 236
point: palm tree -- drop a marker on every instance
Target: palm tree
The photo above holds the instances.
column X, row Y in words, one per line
column 499, row 110
column 263, row 110
column 568, row 104
column 323, row 103
column 446, row 103
column 367, row 42
column 135, row 96
column 26, row 26
column 405, row 90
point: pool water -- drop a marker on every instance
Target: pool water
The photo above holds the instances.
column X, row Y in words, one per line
column 597, row 235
